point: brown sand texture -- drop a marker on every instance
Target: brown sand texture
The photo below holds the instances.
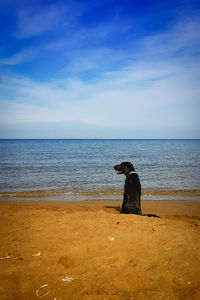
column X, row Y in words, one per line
column 88, row 250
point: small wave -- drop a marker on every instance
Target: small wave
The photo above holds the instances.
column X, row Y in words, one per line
column 109, row 193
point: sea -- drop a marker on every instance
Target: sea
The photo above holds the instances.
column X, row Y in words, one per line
column 82, row 169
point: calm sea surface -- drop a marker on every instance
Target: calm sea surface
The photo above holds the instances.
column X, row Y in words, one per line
column 83, row 169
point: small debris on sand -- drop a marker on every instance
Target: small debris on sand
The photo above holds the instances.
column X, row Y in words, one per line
column 6, row 257
column 39, row 292
column 37, row 254
column 66, row 278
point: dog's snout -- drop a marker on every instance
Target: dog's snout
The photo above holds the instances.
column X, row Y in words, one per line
column 117, row 167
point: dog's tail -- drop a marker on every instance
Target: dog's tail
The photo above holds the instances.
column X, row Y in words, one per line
column 150, row 215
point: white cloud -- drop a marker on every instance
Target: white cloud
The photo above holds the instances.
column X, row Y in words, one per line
column 156, row 93
column 133, row 97
column 32, row 22
column 23, row 56
column 180, row 41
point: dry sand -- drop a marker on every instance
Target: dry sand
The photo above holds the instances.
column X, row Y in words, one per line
column 87, row 250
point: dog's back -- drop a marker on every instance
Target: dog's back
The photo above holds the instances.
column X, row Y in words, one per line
column 132, row 194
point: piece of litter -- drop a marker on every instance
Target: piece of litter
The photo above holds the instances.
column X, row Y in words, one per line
column 69, row 279
column 111, row 238
column 6, row 257
column 42, row 295
column 189, row 282
column 37, row 254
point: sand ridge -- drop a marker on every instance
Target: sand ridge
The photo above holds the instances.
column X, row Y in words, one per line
column 87, row 250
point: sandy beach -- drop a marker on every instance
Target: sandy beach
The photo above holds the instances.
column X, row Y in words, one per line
column 88, row 250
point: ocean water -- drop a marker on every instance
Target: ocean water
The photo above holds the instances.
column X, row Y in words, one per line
column 83, row 169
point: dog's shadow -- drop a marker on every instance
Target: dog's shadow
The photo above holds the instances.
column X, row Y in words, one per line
column 118, row 209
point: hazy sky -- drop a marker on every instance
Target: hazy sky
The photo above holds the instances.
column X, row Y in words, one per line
column 100, row 69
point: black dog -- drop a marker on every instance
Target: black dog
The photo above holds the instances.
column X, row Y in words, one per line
column 132, row 189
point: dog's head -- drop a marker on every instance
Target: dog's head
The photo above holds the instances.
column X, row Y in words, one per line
column 124, row 168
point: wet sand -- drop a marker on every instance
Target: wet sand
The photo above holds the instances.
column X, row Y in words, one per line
column 87, row 250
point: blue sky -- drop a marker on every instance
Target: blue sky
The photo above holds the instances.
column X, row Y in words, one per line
column 99, row 69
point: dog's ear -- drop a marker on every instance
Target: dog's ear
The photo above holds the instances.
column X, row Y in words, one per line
column 124, row 167
column 127, row 167
column 131, row 167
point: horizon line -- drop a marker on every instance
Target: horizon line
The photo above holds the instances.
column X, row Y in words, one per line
column 99, row 138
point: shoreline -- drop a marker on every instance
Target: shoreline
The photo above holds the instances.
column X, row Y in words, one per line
column 99, row 195
column 55, row 199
